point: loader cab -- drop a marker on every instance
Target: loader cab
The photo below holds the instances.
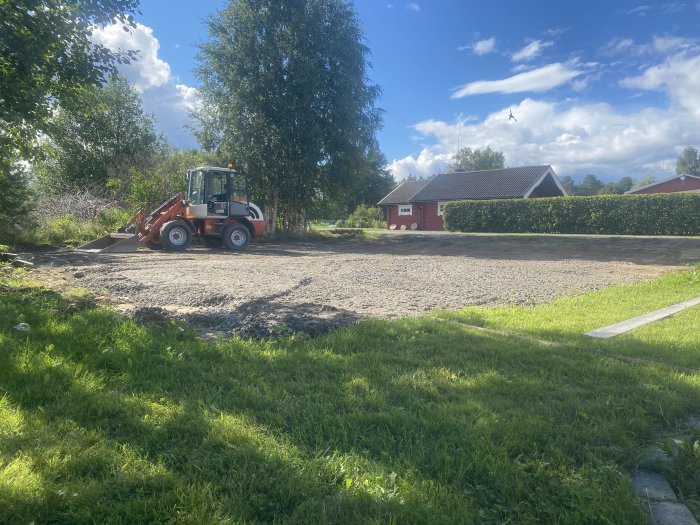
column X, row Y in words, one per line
column 216, row 192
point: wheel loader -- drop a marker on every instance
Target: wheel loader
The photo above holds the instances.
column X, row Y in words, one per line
column 216, row 209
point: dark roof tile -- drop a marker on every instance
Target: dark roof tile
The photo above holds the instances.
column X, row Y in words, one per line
column 490, row 184
column 403, row 193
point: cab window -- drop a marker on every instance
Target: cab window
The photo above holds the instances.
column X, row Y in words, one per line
column 195, row 191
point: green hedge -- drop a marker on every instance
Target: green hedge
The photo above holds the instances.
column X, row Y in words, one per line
column 654, row 214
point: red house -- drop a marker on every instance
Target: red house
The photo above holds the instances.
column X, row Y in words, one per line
column 418, row 205
column 676, row 184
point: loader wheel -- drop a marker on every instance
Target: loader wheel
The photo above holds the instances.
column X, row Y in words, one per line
column 236, row 237
column 175, row 236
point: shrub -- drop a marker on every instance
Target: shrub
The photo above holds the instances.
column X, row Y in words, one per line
column 72, row 219
column 655, row 214
column 363, row 217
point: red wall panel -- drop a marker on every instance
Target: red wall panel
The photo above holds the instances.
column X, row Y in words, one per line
column 672, row 186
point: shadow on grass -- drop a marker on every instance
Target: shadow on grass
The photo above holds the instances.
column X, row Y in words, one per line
column 409, row 422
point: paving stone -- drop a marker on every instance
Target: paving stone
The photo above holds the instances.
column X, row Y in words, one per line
column 653, row 486
column 671, row 513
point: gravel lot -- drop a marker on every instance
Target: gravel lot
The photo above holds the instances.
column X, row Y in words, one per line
column 316, row 286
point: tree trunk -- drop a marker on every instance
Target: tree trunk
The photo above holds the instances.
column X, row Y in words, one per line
column 271, row 211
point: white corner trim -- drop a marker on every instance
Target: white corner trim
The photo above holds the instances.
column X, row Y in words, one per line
column 539, row 181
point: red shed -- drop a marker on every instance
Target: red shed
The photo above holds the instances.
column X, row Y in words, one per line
column 676, row 184
column 418, row 205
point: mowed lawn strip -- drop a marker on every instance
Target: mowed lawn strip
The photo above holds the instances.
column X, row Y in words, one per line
column 673, row 341
column 410, row 421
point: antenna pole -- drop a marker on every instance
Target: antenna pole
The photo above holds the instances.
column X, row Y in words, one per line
column 459, row 133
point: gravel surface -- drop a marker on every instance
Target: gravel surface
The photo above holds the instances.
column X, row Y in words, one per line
column 313, row 287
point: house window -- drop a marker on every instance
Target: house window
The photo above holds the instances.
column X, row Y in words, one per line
column 405, row 210
column 441, row 208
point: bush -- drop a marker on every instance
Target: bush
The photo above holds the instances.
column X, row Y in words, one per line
column 655, row 214
column 363, row 217
column 72, row 219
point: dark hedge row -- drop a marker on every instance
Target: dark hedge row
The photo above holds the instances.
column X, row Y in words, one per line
column 655, row 214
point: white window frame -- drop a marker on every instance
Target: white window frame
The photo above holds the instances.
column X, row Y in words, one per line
column 439, row 208
column 404, row 206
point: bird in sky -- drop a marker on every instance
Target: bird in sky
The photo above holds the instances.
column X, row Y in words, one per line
column 512, row 117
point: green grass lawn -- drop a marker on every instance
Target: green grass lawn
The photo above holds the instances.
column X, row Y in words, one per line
column 412, row 421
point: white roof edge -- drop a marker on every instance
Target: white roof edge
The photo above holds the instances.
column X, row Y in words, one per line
column 669, row 179
column 548, row 171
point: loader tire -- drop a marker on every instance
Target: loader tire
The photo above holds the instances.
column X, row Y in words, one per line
column 236, row 237
column 175, row 236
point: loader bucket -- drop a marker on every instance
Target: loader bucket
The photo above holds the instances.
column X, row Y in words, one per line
column 112, row 243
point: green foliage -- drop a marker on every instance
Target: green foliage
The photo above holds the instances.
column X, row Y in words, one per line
column 422, row 420
column 467, row 159
column 68, row 230
column 15, row 201
column 643, row 181
column 655, row 214
column 569, row 184
column 47, row 56
column 166, row 178
column 590, row 185
column 364, row 217
column 617, row 188
column 685, row 472
column 99, row 142
column 286, row 96
column 688, row 162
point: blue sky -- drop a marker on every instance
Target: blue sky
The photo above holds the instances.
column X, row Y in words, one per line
column 610, row 88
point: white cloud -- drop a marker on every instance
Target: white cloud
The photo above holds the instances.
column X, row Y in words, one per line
column 679, row 76
column 427, row 163
column 673, row 7
column 555, row 31
column 169, row 101
column 413, row 7
column 593, row 138
column 530, row 51
column 659, row 45
column 641, row 10
column 540, row 79
column 148, row 70
column 587, row 138
column 484, row 47
column 618, row 46
column 672, row 44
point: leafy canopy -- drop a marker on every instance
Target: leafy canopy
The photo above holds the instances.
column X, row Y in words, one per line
column 467, row 159
column 688, row 162
column 102, row 140
column 47, row 56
